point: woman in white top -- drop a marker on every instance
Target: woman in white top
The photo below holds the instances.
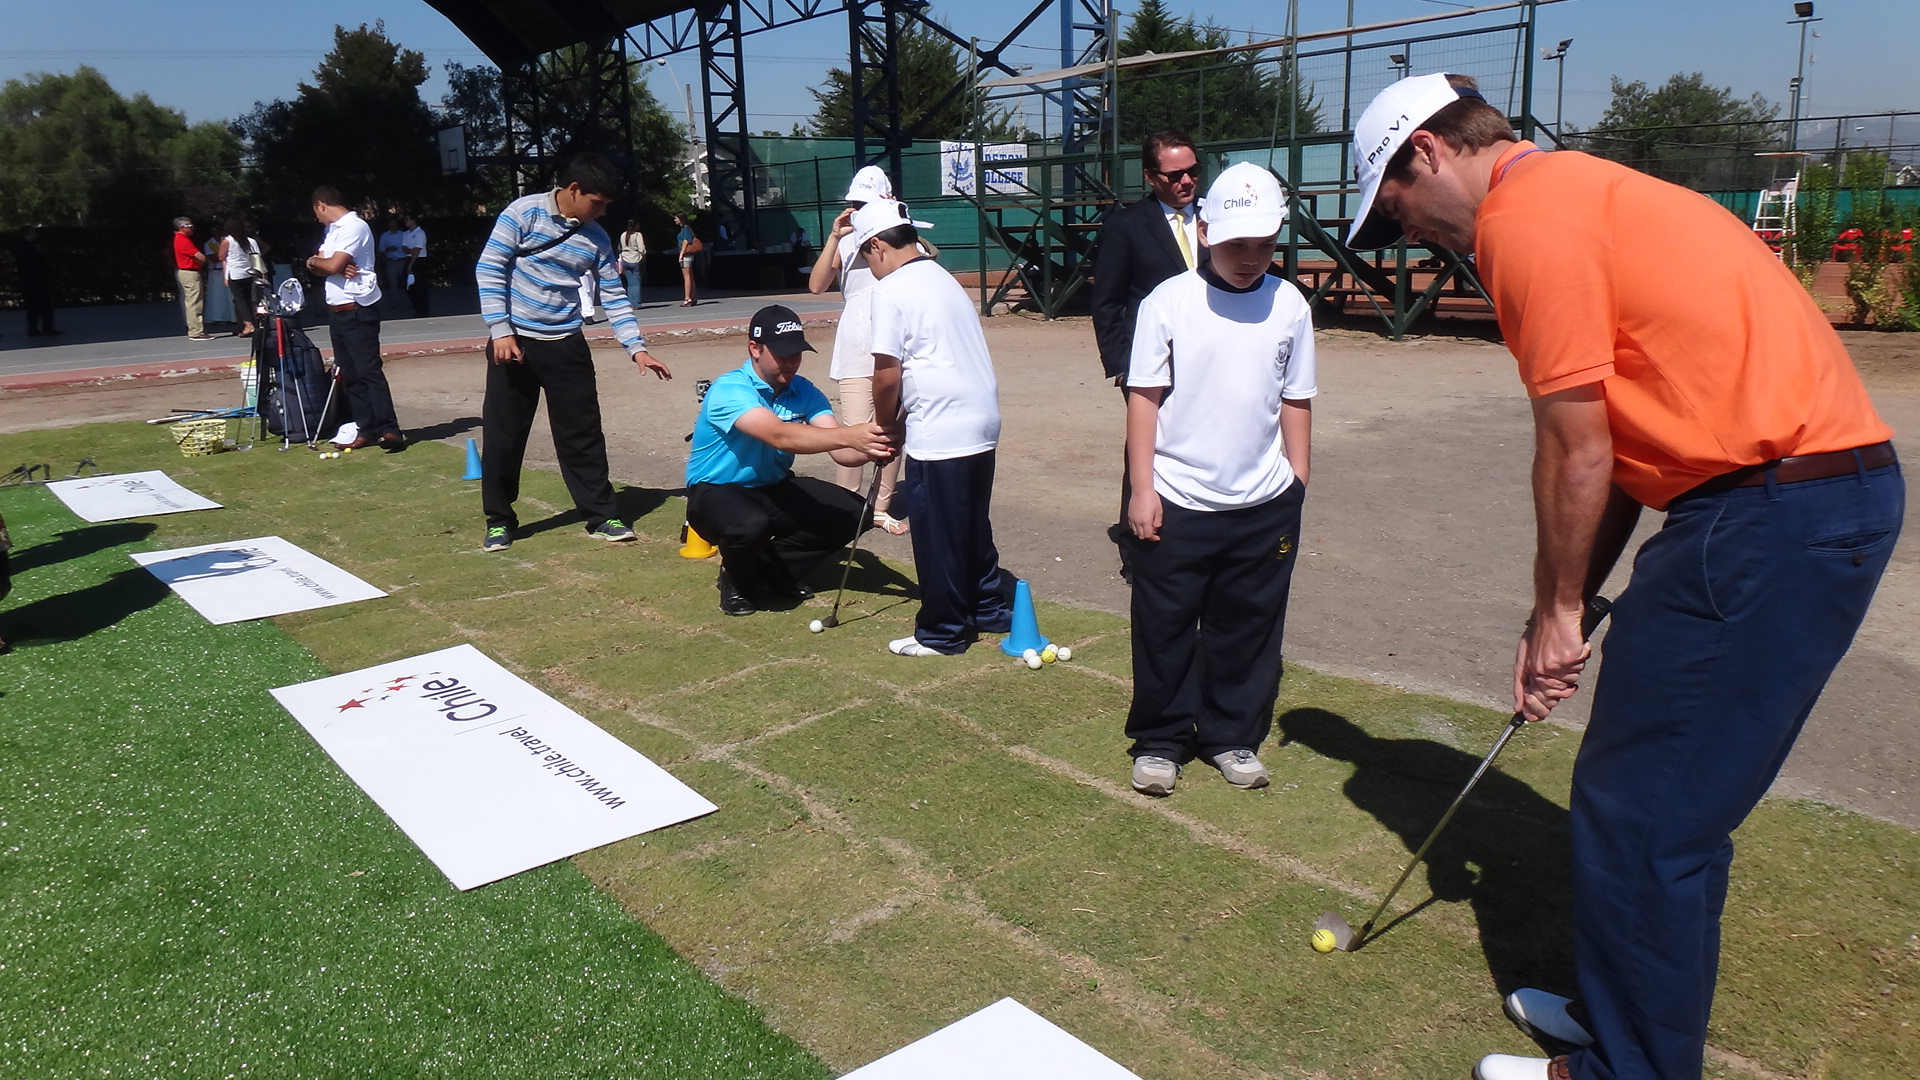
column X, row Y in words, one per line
column 219, row 302
column 633, row 260
column 237, row 250
column 852, row 366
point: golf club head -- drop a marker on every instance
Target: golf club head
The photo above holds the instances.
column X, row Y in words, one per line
column 830, row 622
column 1336, row 923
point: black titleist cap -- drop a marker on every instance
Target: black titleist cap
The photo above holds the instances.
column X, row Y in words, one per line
column 778, row 328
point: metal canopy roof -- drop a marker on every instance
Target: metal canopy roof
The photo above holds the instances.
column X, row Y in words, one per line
column 512, row 32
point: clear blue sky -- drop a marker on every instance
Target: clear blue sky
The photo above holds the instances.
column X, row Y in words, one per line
column 213, row 60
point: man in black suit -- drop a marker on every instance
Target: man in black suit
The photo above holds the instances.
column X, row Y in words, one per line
column 1141, row 245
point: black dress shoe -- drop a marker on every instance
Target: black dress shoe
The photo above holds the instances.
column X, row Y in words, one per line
column 732, row 600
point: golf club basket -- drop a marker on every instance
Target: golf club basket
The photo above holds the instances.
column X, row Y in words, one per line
column 296, row 382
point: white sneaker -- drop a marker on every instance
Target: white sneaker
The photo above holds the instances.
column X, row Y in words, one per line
column 1241, row 769
column 1155, row 775
column 907, row 646
column 1510, row 1067
column 1540, row 1013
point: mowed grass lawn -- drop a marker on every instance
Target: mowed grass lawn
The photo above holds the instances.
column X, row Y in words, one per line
column 190, row 885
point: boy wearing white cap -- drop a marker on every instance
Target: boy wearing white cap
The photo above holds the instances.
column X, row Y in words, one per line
column 932, row 371
column 1219, row 422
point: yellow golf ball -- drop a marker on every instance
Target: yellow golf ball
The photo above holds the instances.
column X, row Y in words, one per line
column 1324, row 941
column 1047, row 655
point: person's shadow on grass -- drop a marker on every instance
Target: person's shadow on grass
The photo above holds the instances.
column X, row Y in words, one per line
column 631, row 504
column 79, row 543
column 446, row 429
column 869, row 574
column 74, row 615
column 1505, row 852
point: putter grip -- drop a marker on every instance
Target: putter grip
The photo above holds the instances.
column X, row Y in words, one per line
column 1598, row 608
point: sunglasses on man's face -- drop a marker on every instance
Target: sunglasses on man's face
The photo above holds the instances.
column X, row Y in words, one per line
column 1174, row 176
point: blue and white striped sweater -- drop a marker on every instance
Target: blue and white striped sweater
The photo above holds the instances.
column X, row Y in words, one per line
column 543, row 299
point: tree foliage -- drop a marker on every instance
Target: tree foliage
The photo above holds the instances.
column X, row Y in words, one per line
column 1688, row 132
column 73, row 151
column 1211, row 98
column 658, row 150
column 930, row 67
column 359, row 125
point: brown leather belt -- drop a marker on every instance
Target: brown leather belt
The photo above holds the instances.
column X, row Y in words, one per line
column 1794, row 470
column 343, row 307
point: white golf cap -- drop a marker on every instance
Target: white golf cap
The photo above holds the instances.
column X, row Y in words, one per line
column 869, row 184
column 1243, row 203
column 1382, row 130
column 880, row 215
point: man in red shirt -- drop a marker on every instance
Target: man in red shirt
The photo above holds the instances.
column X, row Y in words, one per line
column 189, row 268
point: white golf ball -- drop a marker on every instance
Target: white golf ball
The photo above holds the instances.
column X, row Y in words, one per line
column 816, row 626
column 1063, row 652
column 1032, row 658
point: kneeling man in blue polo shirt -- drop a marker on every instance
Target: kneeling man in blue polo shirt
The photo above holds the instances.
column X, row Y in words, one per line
column 772, row 527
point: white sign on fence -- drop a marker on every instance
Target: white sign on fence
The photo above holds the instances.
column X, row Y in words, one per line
column 253, row 579
column 127, row 495
column 1007, row 1041
column 485, row 773
column 956, row 168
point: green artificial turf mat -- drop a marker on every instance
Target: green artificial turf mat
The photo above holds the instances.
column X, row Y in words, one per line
column 189, row 887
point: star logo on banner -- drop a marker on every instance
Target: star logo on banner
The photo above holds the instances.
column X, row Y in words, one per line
column 353, row 703
column 400, row 682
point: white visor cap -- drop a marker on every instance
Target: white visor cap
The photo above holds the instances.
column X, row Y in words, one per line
column 1381, row 131
column 880, row 215
column 1243, row 203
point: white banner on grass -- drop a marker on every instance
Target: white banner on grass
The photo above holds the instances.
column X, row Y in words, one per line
column 488, row 775
column 253, row 579
column 1006, row 1041
column 127, row 495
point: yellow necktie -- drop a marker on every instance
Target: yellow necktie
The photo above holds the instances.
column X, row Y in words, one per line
column 1180, row 236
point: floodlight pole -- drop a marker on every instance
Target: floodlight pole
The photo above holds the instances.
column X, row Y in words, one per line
column 1559, row 56
column 1799, row 71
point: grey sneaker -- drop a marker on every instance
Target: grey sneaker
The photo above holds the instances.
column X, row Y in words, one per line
column 499, row 538
column 1242, row 769
column 613, row 529
column 1155, row 775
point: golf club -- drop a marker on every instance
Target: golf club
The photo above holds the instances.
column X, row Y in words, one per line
column 1344, row 937
column 866, row 517
column 333, row 383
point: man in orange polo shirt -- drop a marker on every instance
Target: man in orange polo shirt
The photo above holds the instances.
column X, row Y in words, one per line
column 1714, row 390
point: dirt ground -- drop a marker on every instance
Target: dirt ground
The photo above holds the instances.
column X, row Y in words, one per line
column 1419, row 527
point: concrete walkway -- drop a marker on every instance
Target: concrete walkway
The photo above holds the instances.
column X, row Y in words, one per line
column 149, row 340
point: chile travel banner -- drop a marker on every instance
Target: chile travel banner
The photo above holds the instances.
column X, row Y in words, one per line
column 485, row 773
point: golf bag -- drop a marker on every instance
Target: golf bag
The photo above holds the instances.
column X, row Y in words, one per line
column 297, row 381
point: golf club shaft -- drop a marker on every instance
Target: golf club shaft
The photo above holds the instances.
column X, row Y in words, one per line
column 1500, row 744
column 859, row 529
column 1597, row 609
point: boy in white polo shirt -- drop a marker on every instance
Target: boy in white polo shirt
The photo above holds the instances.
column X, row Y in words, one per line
column 931, row 366
column 1219, row 419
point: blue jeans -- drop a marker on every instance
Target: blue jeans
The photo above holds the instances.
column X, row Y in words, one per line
column 632, row 276
column 1737, row 612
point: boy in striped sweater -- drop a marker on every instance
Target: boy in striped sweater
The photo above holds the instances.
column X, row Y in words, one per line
column 529, row 276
